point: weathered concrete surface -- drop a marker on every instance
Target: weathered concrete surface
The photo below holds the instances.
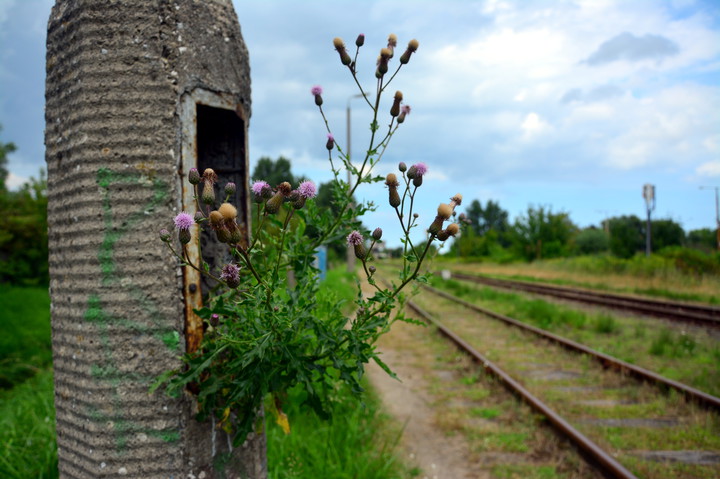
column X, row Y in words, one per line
column 116, row 73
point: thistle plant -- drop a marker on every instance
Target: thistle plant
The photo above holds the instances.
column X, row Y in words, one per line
column 267, row 328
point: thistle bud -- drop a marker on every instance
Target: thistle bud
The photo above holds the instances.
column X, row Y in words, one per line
column 412, row 172
column 235, row 234
column 209, row 175
column 391, row 180
column 436, row 225
column 228, row 211
column 395, row 109
column 199, row 217
column 456, row 200
column 340, row 47
column 316, row 91
column 452, row 229
column 185, row 236
column 298, row 201
column 330, row 142
column 392, row 184
column 402, row 167
column 377, row 234
column 360, row 41
column 223, row 234
column 194, row 176
column 216, row 219
column 404, row 111
column 392, row 43
column 382, row 65
column 360, row 252
column 411, row 48
column 164, row 235
column 284, row 188
column 208, row 193
column 230, row 189
column 443, row 235
column 273, row 205
column 372, row 269
column 445, row 211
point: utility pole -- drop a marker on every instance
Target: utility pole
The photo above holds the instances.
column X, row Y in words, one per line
column 717, row 211
column 350, row 252
column 649, row 195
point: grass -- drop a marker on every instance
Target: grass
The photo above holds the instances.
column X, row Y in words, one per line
column 25, row 345
column 689, row 356
column 27, row 429
column 653, row 277
column 357, row 443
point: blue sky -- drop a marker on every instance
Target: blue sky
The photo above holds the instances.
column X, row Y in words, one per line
column 568, row 104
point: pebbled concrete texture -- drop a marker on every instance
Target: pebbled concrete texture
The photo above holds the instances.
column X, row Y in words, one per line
column 116, row 73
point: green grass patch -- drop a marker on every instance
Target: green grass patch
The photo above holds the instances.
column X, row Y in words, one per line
column 355, row 443
column 689, row 357
column 27, row 429
column 485, row 412
column 25, row 344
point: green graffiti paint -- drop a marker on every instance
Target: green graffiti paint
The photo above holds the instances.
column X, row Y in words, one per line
column 106, row 370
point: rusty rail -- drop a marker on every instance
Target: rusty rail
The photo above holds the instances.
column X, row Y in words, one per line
column 702, row 398
column 594, row 452
column 687, row 312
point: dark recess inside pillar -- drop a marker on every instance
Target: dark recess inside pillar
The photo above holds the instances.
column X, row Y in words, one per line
column 221, row 146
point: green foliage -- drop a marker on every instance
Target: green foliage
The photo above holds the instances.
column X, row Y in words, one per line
column 25, row 345
column 23, row 234
column 27, row 429
column 275, row 171
column 591, row 241
column 271, row 328
column 355, row 444
column 627, row 236
column 606, row 324
column 5, row 149
column 692, row 262
column 673, row 343
column 666, row 233
column 540, row 233
column 704, row 239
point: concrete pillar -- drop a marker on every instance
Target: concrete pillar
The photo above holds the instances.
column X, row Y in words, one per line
column 138, row 91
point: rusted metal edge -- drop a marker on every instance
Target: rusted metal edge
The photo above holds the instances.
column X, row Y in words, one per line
column 701, row 397
column 585, row 444
column 700, row 314
column 192, row 293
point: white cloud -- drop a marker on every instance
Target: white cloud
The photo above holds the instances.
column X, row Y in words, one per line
column 710, row 169
column 14, row 182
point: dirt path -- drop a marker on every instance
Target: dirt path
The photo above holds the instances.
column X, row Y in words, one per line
column 411, row 403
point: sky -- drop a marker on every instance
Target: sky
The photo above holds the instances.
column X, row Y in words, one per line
column 571, row 105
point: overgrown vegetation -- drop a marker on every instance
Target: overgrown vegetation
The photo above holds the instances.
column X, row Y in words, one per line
column 540, row 233
column 359, row 442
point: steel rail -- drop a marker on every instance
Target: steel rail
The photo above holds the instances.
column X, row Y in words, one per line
column 694, row 313
column 701, row 397
column 594, row 452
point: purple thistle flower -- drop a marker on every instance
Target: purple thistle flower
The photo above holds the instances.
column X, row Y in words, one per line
column 420, row 168
column 316, row 90
column 307, row 189
column 184, row 221
column 355, row 238
column 259, row 186
column 330, row 137
column 231, row 275
column 405, row 109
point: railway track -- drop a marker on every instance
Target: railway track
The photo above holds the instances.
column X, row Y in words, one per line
column 469, row 337
column 698, row 314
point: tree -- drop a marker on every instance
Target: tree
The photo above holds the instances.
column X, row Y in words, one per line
column 704, row 239
column 627, row 235
column 23, row 233
column 591, row 241
column 491, row 217
column 540, row 233
column 5, row 149
column 274, row 171
column 666, row 233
